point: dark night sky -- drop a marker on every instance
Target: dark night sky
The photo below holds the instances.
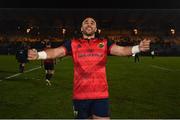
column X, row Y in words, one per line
column 116, row 14
column 121, row 4
column 106, row 18
column 99, row 14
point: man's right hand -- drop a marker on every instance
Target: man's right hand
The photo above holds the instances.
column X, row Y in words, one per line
column 32, row 54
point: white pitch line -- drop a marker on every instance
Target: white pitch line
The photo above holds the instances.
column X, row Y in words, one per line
column 13, row 75
column 32, row 69
column 21, row 73
column 161, row 68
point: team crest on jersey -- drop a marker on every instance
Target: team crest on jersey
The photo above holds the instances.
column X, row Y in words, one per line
column 101, row 45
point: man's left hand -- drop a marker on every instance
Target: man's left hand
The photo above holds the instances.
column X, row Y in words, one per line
column 144, row 45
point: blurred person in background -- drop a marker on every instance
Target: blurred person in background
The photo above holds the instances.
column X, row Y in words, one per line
column 48, row 66
column 136, row 57
column 21, row 56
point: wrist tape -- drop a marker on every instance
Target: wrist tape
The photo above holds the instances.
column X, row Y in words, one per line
column 42, row 55
column 135, row 49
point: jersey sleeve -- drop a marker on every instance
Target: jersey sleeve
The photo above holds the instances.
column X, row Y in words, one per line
column 67, row 46
column 110, row 43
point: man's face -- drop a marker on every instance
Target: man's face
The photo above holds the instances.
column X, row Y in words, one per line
column 88, row 26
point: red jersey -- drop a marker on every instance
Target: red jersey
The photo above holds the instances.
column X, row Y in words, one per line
column 89, row 59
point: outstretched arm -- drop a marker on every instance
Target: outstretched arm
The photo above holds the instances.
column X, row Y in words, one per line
column 47, row 54
column 126, row 51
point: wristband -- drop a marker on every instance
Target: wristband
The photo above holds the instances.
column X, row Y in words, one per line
column 135, row 49
column 42, row 55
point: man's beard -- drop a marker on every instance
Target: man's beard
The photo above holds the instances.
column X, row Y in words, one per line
column 88, row 34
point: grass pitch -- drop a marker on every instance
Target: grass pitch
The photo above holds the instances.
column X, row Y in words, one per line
column 148, row 89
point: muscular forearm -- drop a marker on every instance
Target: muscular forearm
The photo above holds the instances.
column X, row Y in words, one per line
column 126, row 51
column 123, row 51
column 53, row 53
column 50, row 53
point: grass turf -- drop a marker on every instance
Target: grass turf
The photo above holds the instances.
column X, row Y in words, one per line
column 148, row 89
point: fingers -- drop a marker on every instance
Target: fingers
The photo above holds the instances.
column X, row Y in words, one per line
column 34, row 50
column 146, row 41
column 145, row 45
column 32, row 54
